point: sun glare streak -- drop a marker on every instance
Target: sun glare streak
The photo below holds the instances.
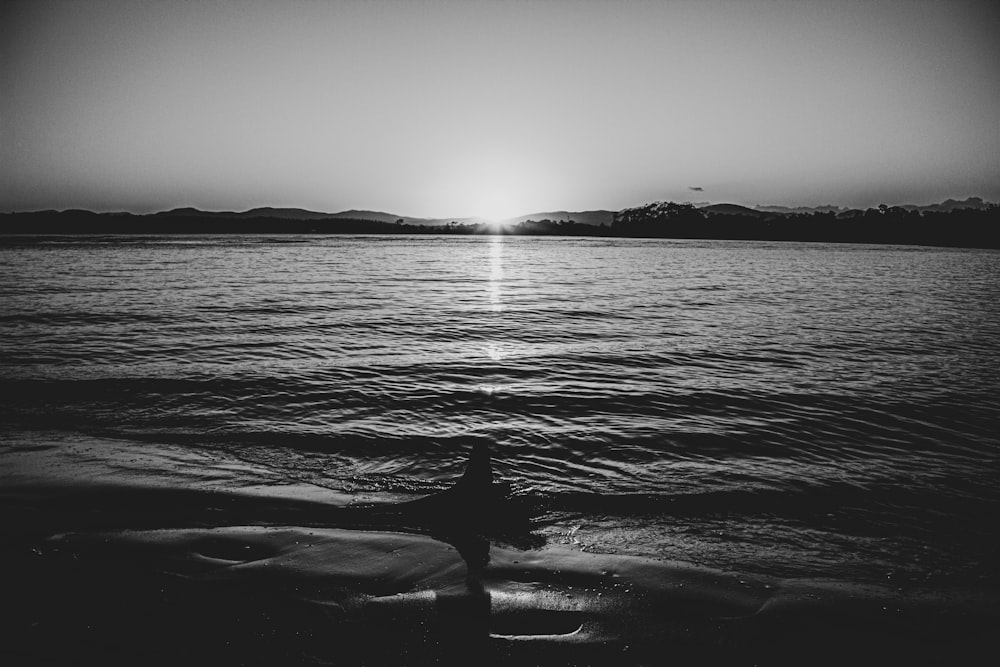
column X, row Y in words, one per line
column 495, row 283
column 494, row 287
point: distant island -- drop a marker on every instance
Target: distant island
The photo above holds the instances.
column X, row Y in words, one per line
column 970, row 223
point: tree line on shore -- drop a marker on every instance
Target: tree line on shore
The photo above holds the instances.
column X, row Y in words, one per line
column 966, row 227
column 883, row 225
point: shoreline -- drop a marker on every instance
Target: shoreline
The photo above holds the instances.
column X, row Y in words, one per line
column 948, row 228
column 110, row 560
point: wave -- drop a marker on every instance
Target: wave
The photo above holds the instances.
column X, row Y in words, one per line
column 810, row 397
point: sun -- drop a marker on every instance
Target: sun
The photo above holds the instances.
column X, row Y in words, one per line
column 492, row 185
column 495, row 204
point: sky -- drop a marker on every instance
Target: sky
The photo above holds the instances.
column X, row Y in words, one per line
column 495, row 109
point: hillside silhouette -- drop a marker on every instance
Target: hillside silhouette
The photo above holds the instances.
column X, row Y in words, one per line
column 968, row 223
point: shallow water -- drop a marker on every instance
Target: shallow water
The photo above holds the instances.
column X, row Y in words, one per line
column 775, row 408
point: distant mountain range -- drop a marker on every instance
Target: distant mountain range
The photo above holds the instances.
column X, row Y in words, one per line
column 595, row 217
column 794, row 210
column 584, row 217
column 284, row 214
column 965, row 223
column 732, row 209
column 947, row 205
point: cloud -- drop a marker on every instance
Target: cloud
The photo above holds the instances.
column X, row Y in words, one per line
column 696, row 188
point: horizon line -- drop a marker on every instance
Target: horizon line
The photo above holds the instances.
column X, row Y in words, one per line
column 699, row 204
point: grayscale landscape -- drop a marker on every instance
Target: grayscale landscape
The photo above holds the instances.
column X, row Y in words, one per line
column 499, row 333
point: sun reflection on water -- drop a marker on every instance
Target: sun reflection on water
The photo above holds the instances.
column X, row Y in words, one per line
column 496, row 273
column 494, row 285
column 495, row 352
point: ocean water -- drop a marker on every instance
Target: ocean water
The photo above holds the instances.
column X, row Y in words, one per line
column 775, row 408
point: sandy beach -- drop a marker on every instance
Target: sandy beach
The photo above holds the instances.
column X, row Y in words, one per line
column 129, row 553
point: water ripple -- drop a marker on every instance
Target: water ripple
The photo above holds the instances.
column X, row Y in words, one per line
column 850, row 390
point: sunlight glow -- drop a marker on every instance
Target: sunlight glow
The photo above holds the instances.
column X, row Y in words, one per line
column 496, row 274
column 493, row 184
column 494, row 204
column 493, row 287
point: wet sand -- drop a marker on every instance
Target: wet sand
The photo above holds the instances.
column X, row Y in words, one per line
column 120, row 553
